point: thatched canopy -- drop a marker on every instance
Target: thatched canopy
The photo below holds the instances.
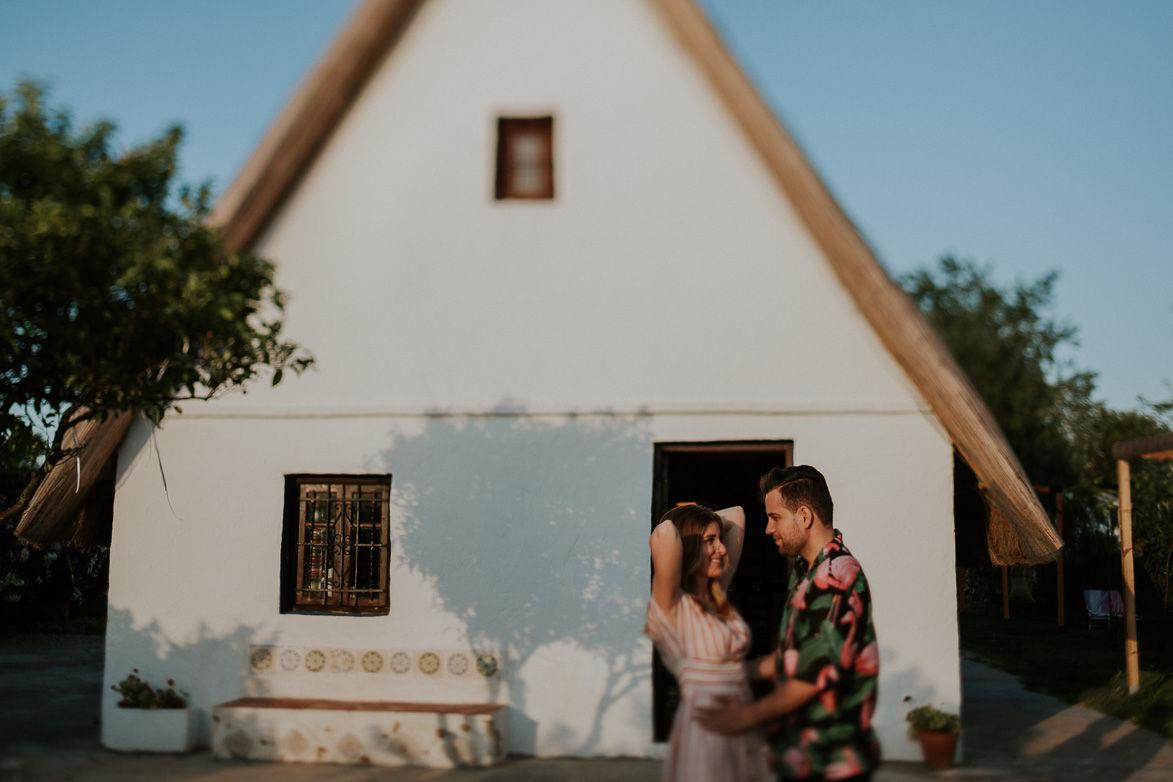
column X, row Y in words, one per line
column 1019, row 531
column 58, row 511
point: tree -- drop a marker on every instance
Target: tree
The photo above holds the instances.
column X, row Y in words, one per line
column 1007, row 347
column 116, row 294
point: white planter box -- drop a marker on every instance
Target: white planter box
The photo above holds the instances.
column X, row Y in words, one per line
column 147, row 730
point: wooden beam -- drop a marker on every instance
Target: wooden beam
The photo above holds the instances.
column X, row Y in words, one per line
column 1131, row 658
column 1158, row 447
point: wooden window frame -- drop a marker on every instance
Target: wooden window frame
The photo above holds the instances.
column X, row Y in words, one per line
column 335, row 536
column 507, row 166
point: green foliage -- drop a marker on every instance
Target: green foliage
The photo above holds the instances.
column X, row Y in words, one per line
column 138, row 694
column 43, row 580
column 115, row 292
column 1100, row 428
column 927, row 719
column 1007, row 347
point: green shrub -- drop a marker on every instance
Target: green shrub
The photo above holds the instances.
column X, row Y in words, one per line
column 927, row 719
column 138, row 694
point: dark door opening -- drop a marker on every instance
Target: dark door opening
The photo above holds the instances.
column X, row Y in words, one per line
column 720, row 475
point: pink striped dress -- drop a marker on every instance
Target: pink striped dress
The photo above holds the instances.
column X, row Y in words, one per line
column 706, row 655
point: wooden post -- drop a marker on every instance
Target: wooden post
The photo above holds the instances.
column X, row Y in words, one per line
column 1005, row 593
column 1059, row 560
column 1131, row 661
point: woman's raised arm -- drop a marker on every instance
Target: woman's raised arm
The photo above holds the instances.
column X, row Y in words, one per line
column 667, row 552
column 733, row 536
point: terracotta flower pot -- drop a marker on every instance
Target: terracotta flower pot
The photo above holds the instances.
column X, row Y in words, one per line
column 938, row 748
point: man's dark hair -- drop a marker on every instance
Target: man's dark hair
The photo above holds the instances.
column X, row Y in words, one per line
column 800, row 485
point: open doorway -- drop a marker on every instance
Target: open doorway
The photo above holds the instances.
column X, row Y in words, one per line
column 719, row 475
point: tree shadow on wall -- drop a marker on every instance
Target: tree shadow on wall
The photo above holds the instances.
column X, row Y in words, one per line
column 533, row 531
column 211, row 666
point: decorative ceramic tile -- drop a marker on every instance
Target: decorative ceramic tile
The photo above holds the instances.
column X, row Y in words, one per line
column 260, row 659
column 434, row 663
column 290, row 659
column 341, row 661
column 315, row 660
column 458, row 664
column 399, row 662
column 429, row 663
column 372, row 662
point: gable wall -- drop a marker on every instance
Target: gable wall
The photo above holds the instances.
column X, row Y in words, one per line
column 665, row 269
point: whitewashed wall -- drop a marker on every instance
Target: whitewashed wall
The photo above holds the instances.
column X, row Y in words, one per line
column 512, row 365
column 522, row 534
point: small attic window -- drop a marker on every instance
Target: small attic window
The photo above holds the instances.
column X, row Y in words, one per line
column 525, row 157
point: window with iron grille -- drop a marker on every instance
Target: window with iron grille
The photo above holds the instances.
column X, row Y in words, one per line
column 525, row 157
column 335, row 554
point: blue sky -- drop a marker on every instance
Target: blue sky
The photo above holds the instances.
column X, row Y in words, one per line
column 1029, row 136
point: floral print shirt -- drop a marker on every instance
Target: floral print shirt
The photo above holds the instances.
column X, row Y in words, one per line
column 827, row 639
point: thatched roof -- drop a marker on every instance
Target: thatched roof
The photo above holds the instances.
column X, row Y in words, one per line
column 1020, row 531
column 307, row 120
column 56, row 512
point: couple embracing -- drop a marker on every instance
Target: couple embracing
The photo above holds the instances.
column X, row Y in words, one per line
column 815, row 724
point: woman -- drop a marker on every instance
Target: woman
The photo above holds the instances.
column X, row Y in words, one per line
column 702, row 640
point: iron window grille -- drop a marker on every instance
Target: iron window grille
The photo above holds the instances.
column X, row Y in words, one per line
column 525, row 158
column 336, row 557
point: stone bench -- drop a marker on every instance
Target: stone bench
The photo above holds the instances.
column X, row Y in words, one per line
column 380, row 733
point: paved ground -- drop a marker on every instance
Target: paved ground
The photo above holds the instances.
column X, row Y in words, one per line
column 50, row 688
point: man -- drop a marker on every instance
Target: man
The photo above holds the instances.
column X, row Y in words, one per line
column 818, row 717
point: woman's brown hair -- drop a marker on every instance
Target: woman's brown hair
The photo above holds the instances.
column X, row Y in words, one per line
column 691, row 521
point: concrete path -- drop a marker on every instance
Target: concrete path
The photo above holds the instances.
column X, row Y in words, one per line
column 1014, row 734
column 50, row 688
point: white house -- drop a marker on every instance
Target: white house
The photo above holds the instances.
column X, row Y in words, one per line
column 560, row 268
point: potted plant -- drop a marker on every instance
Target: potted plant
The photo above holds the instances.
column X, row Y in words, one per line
column 150, row 719
column 937, row 731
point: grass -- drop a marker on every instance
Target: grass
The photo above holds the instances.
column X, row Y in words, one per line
column 1079, row 665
